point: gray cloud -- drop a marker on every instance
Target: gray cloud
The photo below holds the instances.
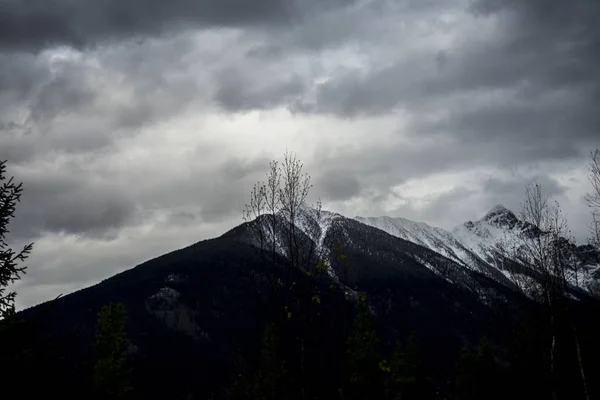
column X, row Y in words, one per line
column 70, row 202
column 464, row 203
column 242, row 91
column 337, row 185
column 146, row 128
column 529, row 90
column 363, row 23
column 510, row 191
column 235, row 169
column 538, row 46
column 34, row 24
column 78, row 103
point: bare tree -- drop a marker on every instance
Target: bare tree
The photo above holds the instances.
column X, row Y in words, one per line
column 292, row 194
column 255, row 209
column 276, row 205
column 276, row 208
column 528, row 256
column 593, row 198
column 10, row 271
column 539, row 261
column 273, row 202
column 261, row 215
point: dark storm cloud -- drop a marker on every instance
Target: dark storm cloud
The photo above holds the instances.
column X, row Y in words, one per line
column 70, row 202
column 239, row 91
column 32, row 96
column 20, row 73
column 84, row 102
column 510, row 191
column 370, row 23
column 512, row 133
column 532, row 84
column 547, row 45
column 34, row 24
column 337, row 185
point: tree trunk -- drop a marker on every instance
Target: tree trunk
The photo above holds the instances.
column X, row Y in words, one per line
column 586, row 394
column 552, row 360
column 553, row 376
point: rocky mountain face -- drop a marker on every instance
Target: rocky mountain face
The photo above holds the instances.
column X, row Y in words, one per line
column 196, row 315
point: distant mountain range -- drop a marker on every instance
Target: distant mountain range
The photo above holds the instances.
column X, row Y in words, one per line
column 195, row 312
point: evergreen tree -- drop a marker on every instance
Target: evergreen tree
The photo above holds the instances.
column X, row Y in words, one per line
column 362, row 358
column 242, row 384
column 271, row 380
column 397, row 376
column 417, row 386
column 10, row 270
column 111, row 375
column 487, row 371
column 465, row 375
column 413, row 356
column 478, row 374
column 406, row 378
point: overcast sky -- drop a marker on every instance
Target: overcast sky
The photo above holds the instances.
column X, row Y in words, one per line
column 139, row 126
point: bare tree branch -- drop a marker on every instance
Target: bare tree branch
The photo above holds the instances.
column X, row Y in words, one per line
column 281, row 198
column 292, row 195
column 593, row 198
column 539, row 262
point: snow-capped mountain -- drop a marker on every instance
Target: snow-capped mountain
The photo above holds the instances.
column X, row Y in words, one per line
column 311, row 227
column 474, row 244
column 196, row 308
column 482, row 236
column 436, row 239
column 470, row 248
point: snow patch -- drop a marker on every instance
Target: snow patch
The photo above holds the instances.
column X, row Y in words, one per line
column 166, row 294
column 175, row 278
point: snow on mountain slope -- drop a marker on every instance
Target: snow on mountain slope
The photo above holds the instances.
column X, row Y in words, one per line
column 315, row 224
column 438, row 240
column 499, row 225
column 310, row 224
column 474, row 245
column 482, row 236
column 420, row 233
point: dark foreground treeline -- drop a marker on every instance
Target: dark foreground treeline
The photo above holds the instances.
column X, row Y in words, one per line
column 317, row 343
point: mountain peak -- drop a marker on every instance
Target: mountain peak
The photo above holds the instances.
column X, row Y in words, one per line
column 496, row 210
column 501, row 216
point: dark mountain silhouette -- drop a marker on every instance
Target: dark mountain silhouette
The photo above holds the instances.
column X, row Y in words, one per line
column 196, row 315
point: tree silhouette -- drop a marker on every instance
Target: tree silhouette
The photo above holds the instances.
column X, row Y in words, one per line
column 362, row 356
column 593, row 197
column 478, row 375
column 271, row 381
column 111, row 376
column 10, row 269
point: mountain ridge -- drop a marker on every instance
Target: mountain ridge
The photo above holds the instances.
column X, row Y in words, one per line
column 192, row 312
column 473, row 244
